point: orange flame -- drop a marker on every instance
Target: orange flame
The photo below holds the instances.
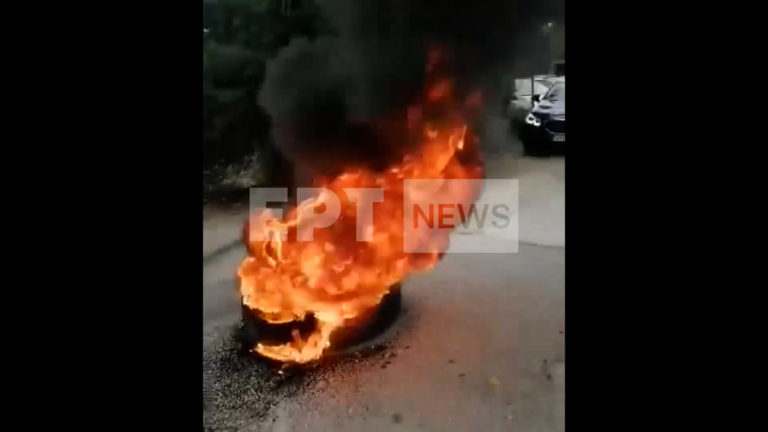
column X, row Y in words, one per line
column 335, row 277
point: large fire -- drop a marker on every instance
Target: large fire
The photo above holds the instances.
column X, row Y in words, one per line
column 334, row 277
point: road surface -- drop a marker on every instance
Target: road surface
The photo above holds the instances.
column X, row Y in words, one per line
column 480, row 345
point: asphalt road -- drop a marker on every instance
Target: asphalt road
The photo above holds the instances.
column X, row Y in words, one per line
column 480, row 345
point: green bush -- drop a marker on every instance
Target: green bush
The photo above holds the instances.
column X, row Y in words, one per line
column 231, row 66
column 242, row 36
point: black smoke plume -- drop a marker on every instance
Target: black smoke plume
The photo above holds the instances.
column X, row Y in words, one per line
column 331, row 98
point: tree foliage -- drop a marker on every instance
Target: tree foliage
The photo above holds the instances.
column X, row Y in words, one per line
column 241, row 36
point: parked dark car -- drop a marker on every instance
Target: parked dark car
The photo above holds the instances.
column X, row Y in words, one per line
column 522, row 99
column 544, row 128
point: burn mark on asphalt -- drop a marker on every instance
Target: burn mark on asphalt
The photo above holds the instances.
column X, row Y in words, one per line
column 240, row 388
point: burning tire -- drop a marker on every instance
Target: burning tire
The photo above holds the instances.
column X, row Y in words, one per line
column 351, row 264
column 255, row 330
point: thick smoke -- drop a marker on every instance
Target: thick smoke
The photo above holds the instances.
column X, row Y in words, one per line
column 331, row 99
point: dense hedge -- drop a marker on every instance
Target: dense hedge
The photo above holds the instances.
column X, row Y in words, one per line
column 241, row 36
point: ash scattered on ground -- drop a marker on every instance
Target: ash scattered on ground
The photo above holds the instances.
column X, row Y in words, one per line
column 240, row 389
